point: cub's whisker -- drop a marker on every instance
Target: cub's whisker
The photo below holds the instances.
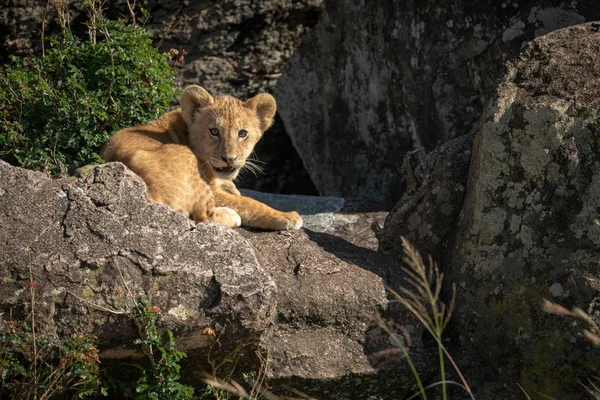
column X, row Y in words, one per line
column 254, row 157
column 255, row 161
column 251, row 166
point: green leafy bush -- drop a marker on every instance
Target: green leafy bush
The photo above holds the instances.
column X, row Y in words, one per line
column 161, row 381
column 57, row 110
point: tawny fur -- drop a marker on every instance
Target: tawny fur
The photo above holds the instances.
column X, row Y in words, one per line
column 191, row 170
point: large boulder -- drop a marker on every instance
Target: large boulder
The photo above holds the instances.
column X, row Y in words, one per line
column 529, row 227
column 325, row 341
column 93, row 245
column 236, row 47
column 376, row 79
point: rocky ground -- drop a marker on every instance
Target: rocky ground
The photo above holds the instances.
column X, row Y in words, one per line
column 306, row 298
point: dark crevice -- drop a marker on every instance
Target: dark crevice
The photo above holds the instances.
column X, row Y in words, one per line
column 98, row 203
column 63, row 221
column 213, row 295
column 247, row 29
column 284, row 171
column 95, row 232
column 130, row 254
column 291, row 258
column 297, row 269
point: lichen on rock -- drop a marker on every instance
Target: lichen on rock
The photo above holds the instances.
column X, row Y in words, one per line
column 529, row 226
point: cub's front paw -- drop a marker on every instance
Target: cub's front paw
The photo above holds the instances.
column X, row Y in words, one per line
column 227, row 217
column 288, row 221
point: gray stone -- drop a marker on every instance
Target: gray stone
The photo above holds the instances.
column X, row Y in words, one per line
column 308, row 300
column 375, row 80
column 529, row 225
column 317, row 212
column 95, row 244
column 350, row 219
column 325, row 341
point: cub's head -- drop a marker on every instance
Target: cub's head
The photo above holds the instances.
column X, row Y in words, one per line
column 222, row 129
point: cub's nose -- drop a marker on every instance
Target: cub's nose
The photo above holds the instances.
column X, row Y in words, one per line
column 228, row 159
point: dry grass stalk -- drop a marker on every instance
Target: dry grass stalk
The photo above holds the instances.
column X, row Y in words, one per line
column 593, row 388
column 426, row 288
column 421, row 297
column 592, row 334
column 258, row 392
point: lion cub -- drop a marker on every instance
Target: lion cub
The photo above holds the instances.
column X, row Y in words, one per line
column 189, row 158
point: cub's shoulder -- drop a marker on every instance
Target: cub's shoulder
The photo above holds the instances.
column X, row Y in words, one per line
column 169, row 128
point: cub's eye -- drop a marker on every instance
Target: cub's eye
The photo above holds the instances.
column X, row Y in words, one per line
column 243, row 133
column 214, row 132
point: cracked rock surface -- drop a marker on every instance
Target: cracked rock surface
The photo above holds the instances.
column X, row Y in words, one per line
column 94, row 244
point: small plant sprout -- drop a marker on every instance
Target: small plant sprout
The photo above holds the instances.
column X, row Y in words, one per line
column 161, row 381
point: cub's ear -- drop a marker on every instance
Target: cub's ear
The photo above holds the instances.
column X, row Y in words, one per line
column 265, row 107
column 193, row 98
